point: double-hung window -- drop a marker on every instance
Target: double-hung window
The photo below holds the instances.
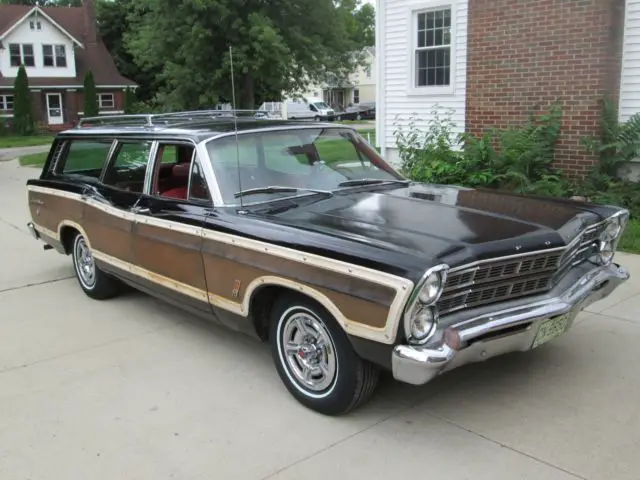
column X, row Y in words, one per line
column 432, row 48
column 54, row 56
column 21, row 54
column 6, row 103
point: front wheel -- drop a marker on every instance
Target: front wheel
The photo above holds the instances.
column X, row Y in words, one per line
column 93, row 281
column 315, row 359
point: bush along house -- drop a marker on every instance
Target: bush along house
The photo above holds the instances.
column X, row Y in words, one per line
column 492, row 63
column 57, row 46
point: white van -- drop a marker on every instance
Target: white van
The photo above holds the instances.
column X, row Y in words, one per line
column 313, row 108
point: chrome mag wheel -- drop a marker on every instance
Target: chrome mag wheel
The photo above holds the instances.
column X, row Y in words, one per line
column 84, row 263
column 308, row 350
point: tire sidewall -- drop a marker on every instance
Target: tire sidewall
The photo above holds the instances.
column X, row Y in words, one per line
column 336, row 398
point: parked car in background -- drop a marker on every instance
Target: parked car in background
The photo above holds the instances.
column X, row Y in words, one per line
column 361, row 111
column 301, row 235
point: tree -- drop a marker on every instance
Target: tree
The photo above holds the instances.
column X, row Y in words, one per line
column 129, row 100
column 23, row 120
column 113, row 22
column 44, row 3
column 278, row 46
column 90, row 96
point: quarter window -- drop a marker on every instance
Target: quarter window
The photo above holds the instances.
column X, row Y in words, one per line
column 83, row 157
column 6, row 103
column 129, row 166
column 432, row 48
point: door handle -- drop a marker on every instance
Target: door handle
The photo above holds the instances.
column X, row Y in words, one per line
column 36, row 202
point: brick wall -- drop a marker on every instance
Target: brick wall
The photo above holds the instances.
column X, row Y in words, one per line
column 524, row 55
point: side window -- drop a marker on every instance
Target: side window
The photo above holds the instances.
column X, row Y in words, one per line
column 83, row 157
column 171, row 170
column 198, row 185
column 129, row 165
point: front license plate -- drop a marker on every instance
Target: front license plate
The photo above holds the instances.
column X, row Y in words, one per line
column 551, row 328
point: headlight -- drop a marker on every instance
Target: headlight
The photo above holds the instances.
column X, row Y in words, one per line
column 422, row 322
column 432, row 288
column 612, row 230
column 606, row 252
column 421, row 314
column 610, row 236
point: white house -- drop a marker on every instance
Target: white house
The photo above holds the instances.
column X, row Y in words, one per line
column 491, row 63
column 57, row 46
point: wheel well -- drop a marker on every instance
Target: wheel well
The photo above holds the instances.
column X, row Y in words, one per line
column 66, row 237
column 262, row 302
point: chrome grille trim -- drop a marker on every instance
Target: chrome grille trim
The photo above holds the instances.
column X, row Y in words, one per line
column 488, row 281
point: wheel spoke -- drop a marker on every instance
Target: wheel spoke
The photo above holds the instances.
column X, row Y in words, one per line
column 291, row 348
column 306, row 374
column 303, row 328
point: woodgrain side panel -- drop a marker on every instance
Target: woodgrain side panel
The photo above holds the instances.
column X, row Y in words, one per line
column 49, row 210
column 170, row 253
column 359, row 300
column 109, row 233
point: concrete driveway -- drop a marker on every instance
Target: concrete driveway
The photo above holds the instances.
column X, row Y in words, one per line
column 134, row 389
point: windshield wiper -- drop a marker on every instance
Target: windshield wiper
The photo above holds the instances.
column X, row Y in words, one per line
column 278, row 189
column 369, row 181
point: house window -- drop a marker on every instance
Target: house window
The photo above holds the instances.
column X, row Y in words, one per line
column 106, row 100
column 54, row 55
column 433, row 48
column 21, row 55
column 6, row 103
column 356, row 95
column 35, row 25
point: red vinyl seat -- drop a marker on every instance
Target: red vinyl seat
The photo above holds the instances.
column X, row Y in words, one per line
column 179, row 192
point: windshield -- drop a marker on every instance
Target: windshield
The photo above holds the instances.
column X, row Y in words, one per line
column 305, row 159
column 321, row 105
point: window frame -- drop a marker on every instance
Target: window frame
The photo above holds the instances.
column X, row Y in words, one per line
column 113, row 157
column 113, row 101
column 22, row 55
column 4, row 103
column 53, row 56
column 412, row 45
column 12, row 55
column 356, row 94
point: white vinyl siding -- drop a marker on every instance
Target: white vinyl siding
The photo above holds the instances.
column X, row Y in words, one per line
column 398, row 96
column 630, row 76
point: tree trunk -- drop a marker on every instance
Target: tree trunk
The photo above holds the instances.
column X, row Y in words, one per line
column 248, row 100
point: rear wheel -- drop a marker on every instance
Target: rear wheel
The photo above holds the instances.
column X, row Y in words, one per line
column 93, row 281
column 315, row 359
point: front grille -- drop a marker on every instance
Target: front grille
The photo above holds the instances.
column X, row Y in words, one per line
column 506, row 279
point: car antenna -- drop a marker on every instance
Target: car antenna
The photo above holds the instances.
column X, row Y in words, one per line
column 235, row 125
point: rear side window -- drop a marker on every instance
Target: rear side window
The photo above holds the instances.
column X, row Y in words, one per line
column 128, row 168
column 83, row 157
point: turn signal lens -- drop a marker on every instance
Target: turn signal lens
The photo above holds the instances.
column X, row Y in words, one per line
column 607, row 252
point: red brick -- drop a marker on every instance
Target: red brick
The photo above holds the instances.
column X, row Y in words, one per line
column 524, row 55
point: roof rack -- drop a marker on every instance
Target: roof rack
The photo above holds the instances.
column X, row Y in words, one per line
column 172, row 118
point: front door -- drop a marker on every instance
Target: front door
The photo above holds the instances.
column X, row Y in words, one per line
column 167, row 237
column 54, row 108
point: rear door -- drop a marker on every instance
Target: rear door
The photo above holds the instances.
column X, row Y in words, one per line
column 167, row 240
column 109, row 209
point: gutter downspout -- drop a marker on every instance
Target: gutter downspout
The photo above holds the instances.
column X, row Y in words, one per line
column 381, row 107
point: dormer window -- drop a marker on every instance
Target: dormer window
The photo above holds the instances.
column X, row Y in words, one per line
column 54, row 56
column 21, row 54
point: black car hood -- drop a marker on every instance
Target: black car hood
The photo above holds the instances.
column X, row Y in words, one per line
column 450, row 224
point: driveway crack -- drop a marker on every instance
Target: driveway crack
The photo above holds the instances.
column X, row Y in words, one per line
column 35, row 284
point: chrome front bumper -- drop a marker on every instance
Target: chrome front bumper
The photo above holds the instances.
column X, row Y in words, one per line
column 510, row 327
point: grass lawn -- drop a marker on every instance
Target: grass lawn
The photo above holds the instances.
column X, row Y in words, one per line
column 11, row 142
column 369, row 136
column 630, row 241
column 354, row 122
column 35, row 160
